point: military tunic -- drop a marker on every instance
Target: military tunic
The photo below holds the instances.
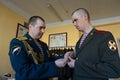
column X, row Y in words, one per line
column 29, row 66
column 97, row 58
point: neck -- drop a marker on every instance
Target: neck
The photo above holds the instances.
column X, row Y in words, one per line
column 88, row 29
column 32, row 36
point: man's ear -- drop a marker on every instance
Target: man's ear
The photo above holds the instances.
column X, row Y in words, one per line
column 86, row 16
column 29, row 26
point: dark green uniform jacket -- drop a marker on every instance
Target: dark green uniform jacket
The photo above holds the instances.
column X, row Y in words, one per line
column 27, row 62
column 97, row 58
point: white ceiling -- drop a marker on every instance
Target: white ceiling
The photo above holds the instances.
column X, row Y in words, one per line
column 60, row 10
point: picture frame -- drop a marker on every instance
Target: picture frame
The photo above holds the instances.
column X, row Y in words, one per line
column 58, row 40
column 21, row 30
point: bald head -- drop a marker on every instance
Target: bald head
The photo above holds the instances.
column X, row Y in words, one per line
column 33, row 20
column 81, row 11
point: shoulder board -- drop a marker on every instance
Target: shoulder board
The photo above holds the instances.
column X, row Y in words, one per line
column 22, row 38
column 101, row 32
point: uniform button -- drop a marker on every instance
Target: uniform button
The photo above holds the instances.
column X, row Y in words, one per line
column 76, row 58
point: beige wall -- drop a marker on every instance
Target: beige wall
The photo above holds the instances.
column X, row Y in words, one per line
column 72, row 33
column 8, row 26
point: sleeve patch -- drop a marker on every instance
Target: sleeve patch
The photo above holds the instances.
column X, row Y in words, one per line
column 112, row 45
column 16, row 50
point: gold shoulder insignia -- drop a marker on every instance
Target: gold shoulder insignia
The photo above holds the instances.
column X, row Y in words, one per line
column 112, row 45
column 22, row 38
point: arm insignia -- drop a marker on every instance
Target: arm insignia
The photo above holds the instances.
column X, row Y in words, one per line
column 16, row 50
column 112, row 45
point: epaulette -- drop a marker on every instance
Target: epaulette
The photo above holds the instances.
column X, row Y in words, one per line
column 101, row 32
column 22, row 38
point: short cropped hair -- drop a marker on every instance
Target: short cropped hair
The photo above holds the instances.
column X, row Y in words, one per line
column 81, row 11
column 33, row 20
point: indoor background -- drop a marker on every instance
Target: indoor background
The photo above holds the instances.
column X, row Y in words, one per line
column 105, row 15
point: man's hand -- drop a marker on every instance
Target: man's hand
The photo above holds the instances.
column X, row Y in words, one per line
column 68, row 54
column 71, row 62
column 60, row 62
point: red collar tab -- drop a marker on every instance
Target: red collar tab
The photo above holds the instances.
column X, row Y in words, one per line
column 101, row 32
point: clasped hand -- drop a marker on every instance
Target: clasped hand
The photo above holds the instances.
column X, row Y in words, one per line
column 68, row 59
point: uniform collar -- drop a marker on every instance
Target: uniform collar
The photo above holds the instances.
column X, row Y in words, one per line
column 28, row 36
column 86, row 41
column 32, row 43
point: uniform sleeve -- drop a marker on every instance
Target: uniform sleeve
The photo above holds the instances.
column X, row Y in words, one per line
column 25, row 68
column 109, row 63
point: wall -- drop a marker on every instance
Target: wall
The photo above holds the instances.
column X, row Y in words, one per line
column 8, row 27
column 72, row 33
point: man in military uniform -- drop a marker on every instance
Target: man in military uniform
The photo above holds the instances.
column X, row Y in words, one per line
column 96, row 56
column 29, row 56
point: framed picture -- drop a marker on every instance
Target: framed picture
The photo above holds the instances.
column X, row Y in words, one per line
column 21, row 30
column 58, row 40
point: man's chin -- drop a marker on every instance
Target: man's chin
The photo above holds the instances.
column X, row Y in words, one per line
column 40, row 37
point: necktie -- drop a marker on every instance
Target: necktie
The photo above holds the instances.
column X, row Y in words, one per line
column 82, row 39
